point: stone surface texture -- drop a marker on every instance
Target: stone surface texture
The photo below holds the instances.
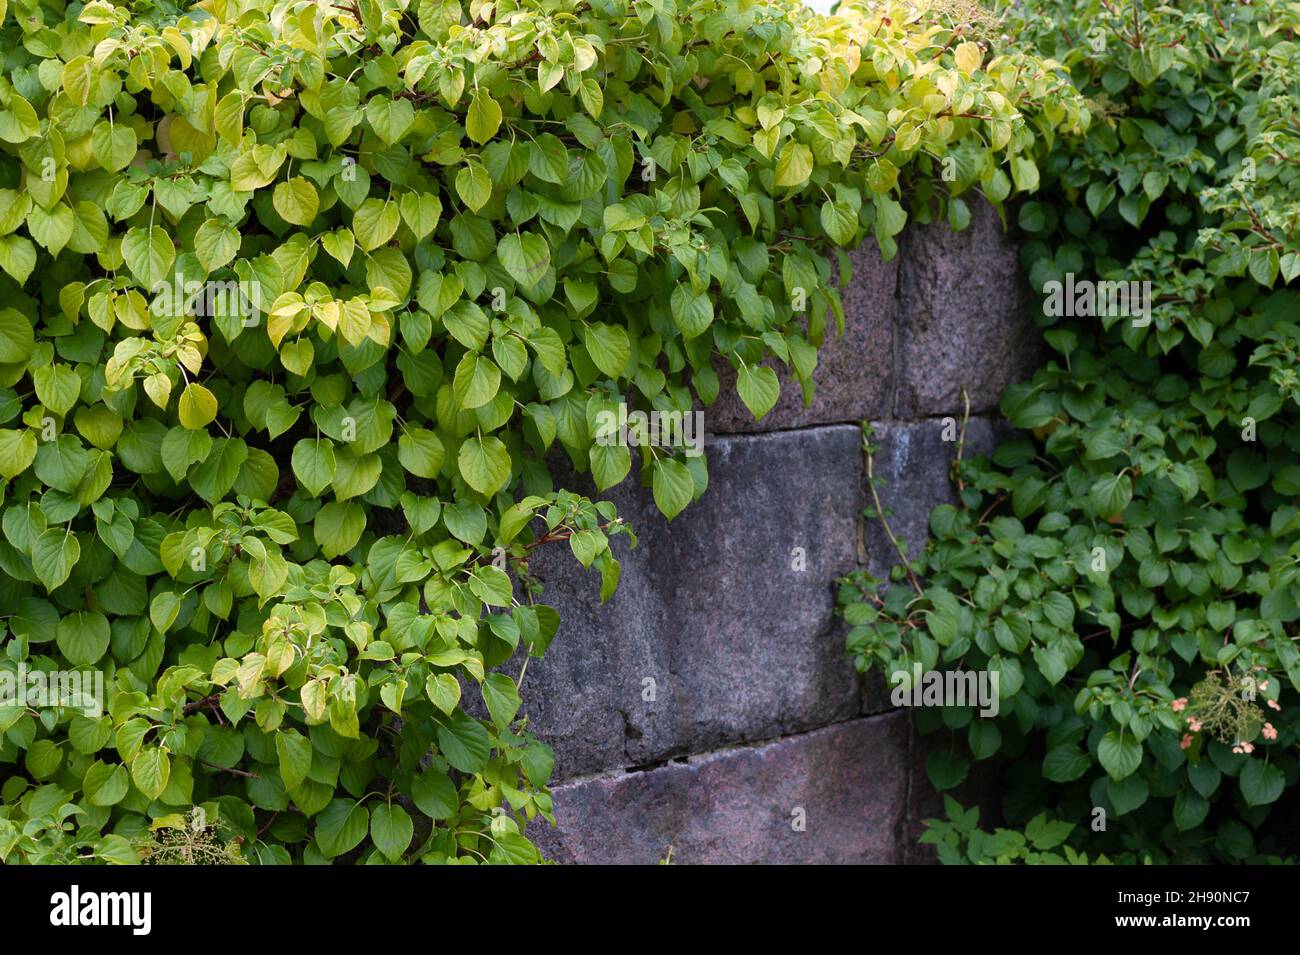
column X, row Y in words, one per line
column 964, row 318
column 834, row 795
column 721, row 630
column 711, row 698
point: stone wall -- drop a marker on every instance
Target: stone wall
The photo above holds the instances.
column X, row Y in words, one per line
column 709, row 707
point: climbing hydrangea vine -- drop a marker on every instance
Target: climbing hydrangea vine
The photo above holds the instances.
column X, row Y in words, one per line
column 301, row 303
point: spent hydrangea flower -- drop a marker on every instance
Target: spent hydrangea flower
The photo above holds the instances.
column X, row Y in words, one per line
column 1180, row 704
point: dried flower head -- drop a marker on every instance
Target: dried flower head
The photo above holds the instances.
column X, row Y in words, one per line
column 1218, row 705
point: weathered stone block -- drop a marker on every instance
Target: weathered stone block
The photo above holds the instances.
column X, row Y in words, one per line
column 722, row 628
column 913, row 462
column 963, row 317
column 741, row 805
column 854, row 377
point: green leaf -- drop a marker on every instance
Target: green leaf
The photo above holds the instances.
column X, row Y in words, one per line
column 673, row 486
column 149, row 255
column 229, row 119
column 389, row 118
column 1044, row 834
column 1190, row 809
column 54, row 555
column 1051, row 663
column 443, row 691
column 484, row 116
column 502, row 698
column 338, row 527
column 492, row 586
column 52, row 228
column 17, row 451
column 296, row 200
column 794, row 165
column 105, row 784
column 484, row 463
column 16, row 337
column 17, row 257
column 474, row 186
column 840, row 222
column 113, row 145
column 1261, row 782
column 608, row 347
column 465, row 744
column 1110, row 494
column 1058, row 608
column 467, row 324
column 341, row 827
column 198, row 406
column 150, row 771
column 946, row 769
column 421, row 212
column 526, row 257
column 339, row 244
column 215, row 243
column 548, row 159
column 375, row 222
column 1128, row 794
column 43, row 759
column 421, row 452
column 692, row 312
column 392, row 830
column 476, row 381
column 758, row 388
column 295, row 754
column 57, row 387
column 1120, row 754
column 62, row 463
column 163, row 610
column 434, row 794
column 1065, row 763
column 314, row 464
column 610, row 464
column 1024, row 173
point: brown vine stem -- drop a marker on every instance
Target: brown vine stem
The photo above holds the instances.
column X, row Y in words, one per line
column 989, row 510
column 233, row 772
column 961, row 446
column 880, row 516
column 548, row 538
column 206, row 702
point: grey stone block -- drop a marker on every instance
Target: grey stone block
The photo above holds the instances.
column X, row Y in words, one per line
column 964, row 317
column 711, row 617
column 854, row 377
column 913, row 463
column 739, row 805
